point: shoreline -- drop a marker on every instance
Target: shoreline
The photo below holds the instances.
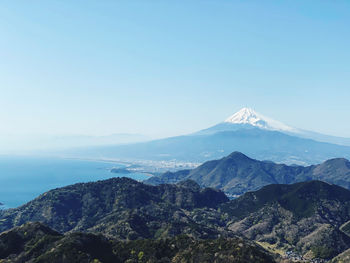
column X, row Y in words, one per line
column 144, row 166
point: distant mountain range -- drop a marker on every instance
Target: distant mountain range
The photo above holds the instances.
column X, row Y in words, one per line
column 237, row 174
column 246, row 131
column 186, row 222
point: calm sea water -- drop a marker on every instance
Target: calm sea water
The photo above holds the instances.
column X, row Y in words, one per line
column 24, row 178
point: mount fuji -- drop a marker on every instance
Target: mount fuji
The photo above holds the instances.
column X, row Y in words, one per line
column 245, row 131
column 248, row 118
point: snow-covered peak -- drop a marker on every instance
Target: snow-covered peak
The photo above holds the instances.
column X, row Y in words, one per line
column 251, row 117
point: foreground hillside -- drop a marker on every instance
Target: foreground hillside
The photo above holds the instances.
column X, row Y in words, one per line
column 237, row 174
column 34, row 242
column 309, row 218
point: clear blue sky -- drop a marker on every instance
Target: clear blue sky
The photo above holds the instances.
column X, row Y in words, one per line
column 172, row 67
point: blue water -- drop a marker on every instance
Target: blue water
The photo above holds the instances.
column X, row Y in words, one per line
column 24, row 178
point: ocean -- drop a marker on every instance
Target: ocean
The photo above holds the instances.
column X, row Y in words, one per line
column 24, row 178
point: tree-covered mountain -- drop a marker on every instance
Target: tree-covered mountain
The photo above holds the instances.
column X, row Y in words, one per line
column 306, row 217
column 236, row 174
column 126, row 209
column 309, row 218
column 34, row 242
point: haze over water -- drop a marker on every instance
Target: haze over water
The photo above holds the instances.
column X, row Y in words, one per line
column 24, row 178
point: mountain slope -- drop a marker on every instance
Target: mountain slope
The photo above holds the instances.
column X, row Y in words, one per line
column 304, row 216
column 34, row 242
column 237, row 173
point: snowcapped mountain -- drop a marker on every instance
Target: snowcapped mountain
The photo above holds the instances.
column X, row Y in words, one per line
column 247, row 118
column 251, row 117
